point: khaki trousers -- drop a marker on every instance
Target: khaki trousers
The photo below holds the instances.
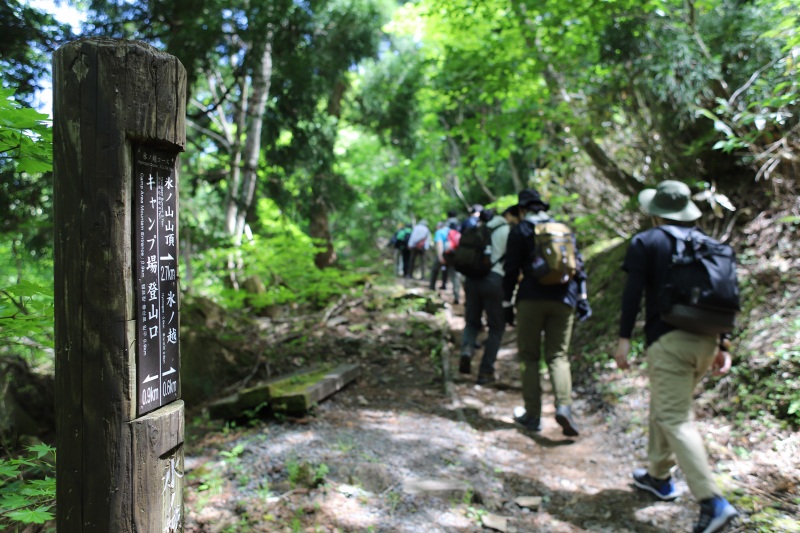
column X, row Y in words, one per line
column 553, row 321
column 676, row 362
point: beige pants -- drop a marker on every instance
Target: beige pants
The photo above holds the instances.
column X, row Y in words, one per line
column 676, row 363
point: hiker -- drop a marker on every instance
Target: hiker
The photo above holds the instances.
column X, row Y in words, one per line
column 472, row 219
column 545, row 315
column 444, row 243
column 418, row 244
column 511, row 214
column 676, row 361
column 438, row 267
column 452, row 220
column 399, row 243
column 484, row 293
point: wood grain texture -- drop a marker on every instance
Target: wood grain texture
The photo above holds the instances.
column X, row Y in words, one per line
column 106, row 96
column 158, row 469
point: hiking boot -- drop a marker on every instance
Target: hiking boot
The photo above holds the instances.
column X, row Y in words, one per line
column 714, row 514
column 485, row 379
column 564, row 419
column 465, row 364
column 528, row 422
column 664, row 489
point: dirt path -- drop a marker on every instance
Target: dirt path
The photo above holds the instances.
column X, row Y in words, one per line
column 412, row 448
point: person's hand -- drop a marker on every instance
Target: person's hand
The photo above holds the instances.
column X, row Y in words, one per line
column 508, row 310
column 583, row 309
column 722, row 363
column 621, row 355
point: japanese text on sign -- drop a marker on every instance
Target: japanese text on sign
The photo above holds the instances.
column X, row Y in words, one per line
column 156, row 269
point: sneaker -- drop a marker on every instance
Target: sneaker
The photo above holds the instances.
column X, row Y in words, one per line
column 528, row 422
column 485, row 379
column 664, row 489
column 714, row 514
column 465, row 364
column 564, row 419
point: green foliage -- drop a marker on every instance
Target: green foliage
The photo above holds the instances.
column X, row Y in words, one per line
column 28, row 487
column 25, row 137
column 768, row 382
column 26, row 283
column 26, row 320
column 26, row 152
column 282, row 258
column 305, row 474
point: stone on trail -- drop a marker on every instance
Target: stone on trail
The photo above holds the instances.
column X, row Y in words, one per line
column 531, row 502
column 496, row 522
column 439, row 488
column 373, row 477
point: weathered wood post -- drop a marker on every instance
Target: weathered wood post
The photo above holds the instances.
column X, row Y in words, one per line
column 119, row 124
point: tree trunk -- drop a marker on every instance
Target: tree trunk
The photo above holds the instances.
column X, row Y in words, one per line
column 235, row 172
column 514, row 174
column 319, row 222
column 262, row 77
column 319, row 226
column 454, row 161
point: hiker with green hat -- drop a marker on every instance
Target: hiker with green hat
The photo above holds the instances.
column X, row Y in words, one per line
column 676, row 360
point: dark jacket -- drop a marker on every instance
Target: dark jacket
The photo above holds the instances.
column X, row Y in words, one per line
column 647, row 264
column 519, row 256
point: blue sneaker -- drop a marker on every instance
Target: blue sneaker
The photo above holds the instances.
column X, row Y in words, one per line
column 664, row 489
column 714, row 514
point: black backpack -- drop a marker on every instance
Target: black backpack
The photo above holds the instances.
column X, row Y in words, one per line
column 473, row 257
column 401, row 238
column 702, row 294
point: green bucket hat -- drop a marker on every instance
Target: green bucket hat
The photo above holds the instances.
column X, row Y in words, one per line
column 671, row 200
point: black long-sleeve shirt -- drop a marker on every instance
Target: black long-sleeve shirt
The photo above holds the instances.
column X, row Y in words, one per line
column 519, row 253
column 647, row 264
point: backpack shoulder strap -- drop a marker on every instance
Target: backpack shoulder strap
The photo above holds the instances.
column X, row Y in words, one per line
column 680, row 235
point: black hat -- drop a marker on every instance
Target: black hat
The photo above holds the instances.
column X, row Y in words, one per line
column 531, row 200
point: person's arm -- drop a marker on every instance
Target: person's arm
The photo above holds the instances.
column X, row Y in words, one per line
column 634, row 264
column 512, row 264
column 439, row 250
column 723, row 361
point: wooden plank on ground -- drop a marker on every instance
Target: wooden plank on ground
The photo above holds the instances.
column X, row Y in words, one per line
column 299, row 402
column 294, row 394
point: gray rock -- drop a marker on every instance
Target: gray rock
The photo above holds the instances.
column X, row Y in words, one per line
column 372, row 477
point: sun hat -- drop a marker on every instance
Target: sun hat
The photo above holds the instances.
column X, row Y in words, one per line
column 671, row 200
column 531, row 200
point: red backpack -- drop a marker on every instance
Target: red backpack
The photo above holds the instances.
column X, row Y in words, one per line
column 453, row 238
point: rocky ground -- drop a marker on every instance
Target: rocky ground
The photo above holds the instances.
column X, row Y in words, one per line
column 413, row 446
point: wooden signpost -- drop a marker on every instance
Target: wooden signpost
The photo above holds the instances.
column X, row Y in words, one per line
column 118, row 127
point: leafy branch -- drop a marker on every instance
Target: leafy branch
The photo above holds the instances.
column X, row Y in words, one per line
column 28, row 487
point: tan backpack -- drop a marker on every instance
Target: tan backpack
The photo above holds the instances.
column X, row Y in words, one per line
column 555, row 257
